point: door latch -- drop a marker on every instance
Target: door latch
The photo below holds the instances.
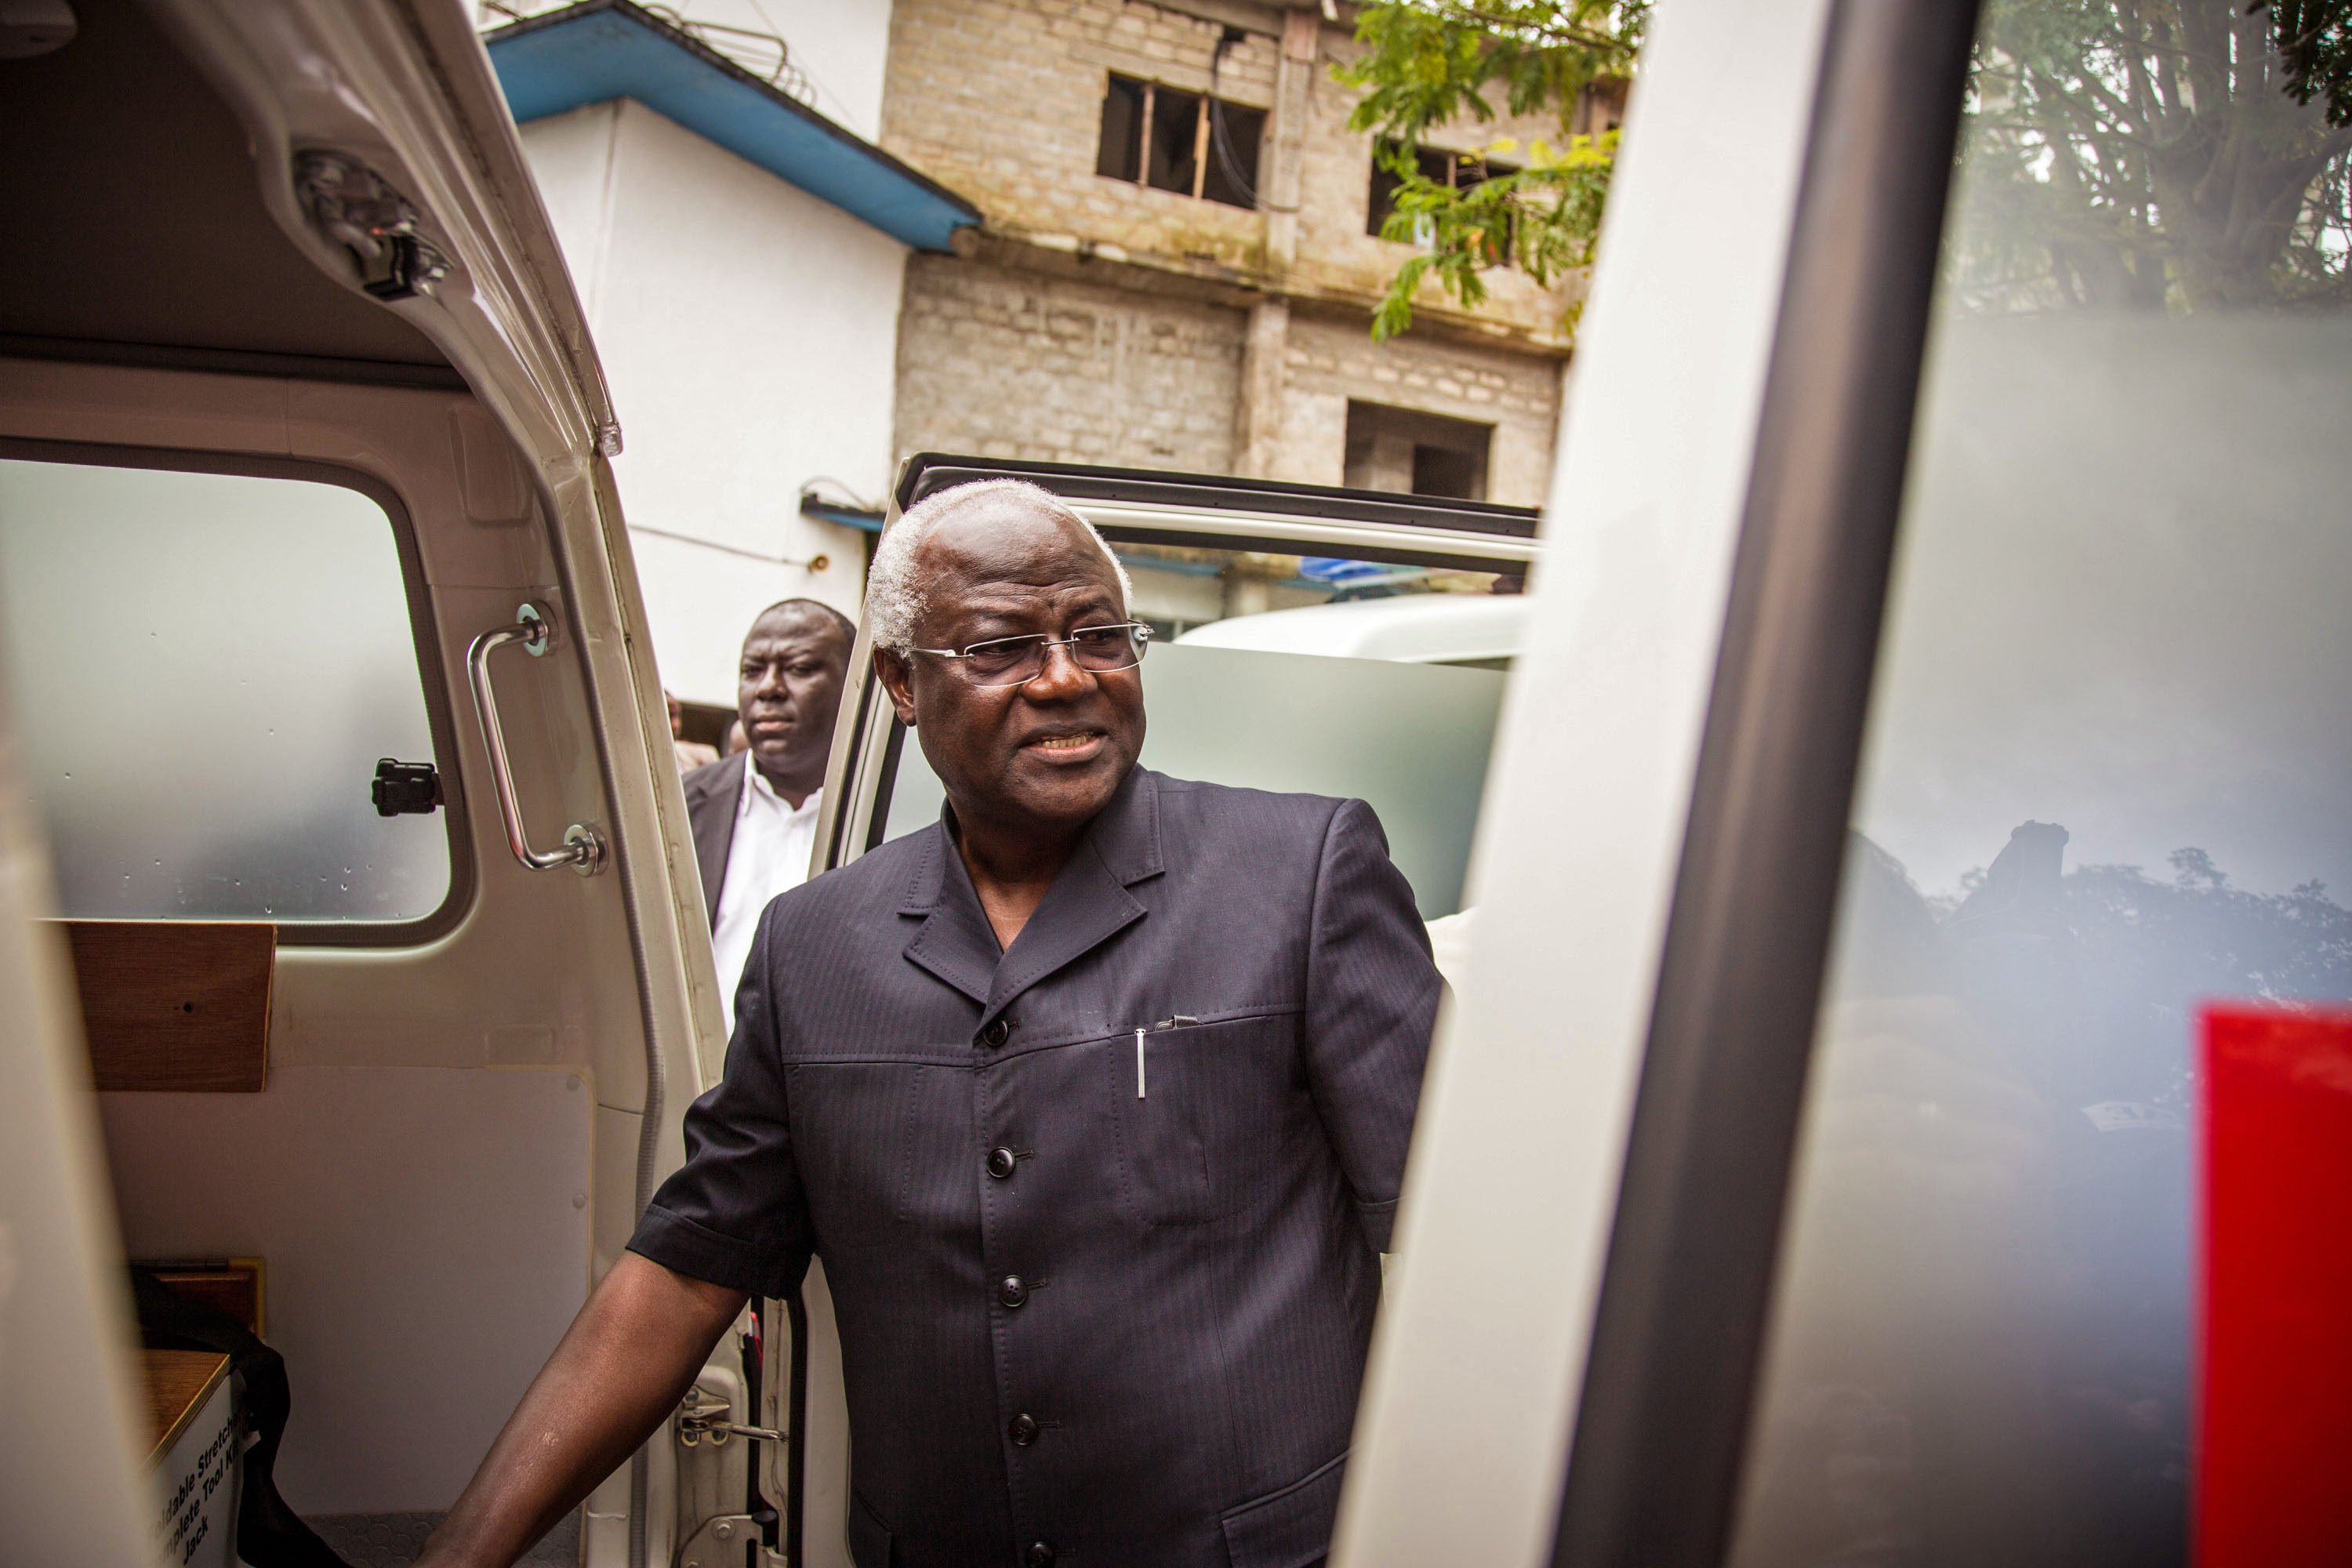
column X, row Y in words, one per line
column 700, row 1417
column 404, row 788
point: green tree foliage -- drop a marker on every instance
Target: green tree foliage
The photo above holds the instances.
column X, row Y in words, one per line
column 2180, row 154
column 2157, row 155
column 2314, row 39
column 1432, row 63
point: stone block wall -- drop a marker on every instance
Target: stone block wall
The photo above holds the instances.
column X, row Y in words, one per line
column 1098, row 321
column 1002, row 102
column 1328, row 361
column 999, row 363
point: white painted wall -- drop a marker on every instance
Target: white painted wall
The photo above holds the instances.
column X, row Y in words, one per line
column 839, row 47
column 750, row 333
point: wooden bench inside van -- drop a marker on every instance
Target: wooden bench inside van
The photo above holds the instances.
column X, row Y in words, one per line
column 180, row 1006
column 195, row 1461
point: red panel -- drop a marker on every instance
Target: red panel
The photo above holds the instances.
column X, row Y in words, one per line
column 2275, row 1451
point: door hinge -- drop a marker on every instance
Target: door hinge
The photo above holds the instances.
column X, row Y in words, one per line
column 720, row 1541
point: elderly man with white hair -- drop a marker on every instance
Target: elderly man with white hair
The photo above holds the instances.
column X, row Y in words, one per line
column 1093, row 1097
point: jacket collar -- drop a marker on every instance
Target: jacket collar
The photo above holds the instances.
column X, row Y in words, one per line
column 1087, row 904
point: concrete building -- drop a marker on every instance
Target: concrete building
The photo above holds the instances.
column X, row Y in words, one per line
column 742, row 256
column 815, row 236
column 1179, row 254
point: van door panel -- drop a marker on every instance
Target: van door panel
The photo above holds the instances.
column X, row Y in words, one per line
column 78, row 1493
column 446, row 1151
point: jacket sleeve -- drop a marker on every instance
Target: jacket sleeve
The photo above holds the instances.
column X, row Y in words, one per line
column 1372, row 1002
column 735, row 1213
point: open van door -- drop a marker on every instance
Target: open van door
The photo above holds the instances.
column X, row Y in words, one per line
column 331, row 715
column 1936, row 708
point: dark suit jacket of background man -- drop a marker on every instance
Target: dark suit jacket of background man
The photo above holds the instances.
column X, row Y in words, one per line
column 713, row 793
column 1176, row 1288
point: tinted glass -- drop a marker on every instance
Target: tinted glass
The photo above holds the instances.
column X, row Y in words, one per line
column 2108, row 780
column 205, row 669
column 1318, row 673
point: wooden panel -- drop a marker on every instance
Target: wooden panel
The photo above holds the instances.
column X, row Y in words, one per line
column 176, row 1005
column 234, row 1287
column 177, row 1384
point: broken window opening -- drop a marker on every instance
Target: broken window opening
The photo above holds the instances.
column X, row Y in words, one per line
column 1415, row 452
column 1186, row 143
column 1455, row 170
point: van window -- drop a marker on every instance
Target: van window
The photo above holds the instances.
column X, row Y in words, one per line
column 204, row 670
column 1331, row 676
column 2103, row 783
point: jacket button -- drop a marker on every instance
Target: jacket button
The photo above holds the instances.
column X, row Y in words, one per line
column 1000, row 1162
column 1040, row 1555
column 997, row 1033
column 1013, row 1291
column 1023, row 1430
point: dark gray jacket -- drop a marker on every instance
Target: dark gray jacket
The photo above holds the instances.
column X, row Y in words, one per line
column 1081, row 1323
column 713, row 791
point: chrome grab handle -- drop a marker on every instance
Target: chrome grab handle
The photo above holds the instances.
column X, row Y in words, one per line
column 584, row 846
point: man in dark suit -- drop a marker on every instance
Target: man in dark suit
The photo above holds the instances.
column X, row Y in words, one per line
column 754, row 816
column 1094, row 1098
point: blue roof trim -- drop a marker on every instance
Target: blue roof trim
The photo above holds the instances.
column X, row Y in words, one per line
column 604, row 49
column 861, row 518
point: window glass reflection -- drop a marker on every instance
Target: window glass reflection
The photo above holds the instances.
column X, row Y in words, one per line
column 205, row 669
column 2104, row 782
column 1375, row 679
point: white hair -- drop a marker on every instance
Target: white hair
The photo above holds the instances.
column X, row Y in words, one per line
column 895, row 599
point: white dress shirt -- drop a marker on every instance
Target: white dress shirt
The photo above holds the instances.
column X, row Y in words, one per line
column 769, row 855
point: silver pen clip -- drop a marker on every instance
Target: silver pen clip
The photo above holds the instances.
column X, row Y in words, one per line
column 1138, row 1064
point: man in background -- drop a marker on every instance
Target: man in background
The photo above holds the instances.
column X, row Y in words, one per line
column 754, row 816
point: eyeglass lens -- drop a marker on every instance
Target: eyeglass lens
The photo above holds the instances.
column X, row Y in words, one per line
column 1010, row 661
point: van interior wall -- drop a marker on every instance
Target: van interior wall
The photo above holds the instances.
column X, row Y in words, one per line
column 444, row 1153
column 425, row 1234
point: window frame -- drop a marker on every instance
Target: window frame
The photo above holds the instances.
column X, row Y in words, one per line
column 440, row 715
column 1204, row 138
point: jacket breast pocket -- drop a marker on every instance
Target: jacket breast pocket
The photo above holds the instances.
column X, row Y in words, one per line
column 1202, row 1110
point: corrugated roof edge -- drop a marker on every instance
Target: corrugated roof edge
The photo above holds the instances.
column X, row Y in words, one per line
column 603, row 50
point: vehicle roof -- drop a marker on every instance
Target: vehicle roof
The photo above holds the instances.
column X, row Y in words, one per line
column 1416, row 628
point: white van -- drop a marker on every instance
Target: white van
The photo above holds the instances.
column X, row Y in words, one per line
column 1933, row 695
column 1481, row 631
